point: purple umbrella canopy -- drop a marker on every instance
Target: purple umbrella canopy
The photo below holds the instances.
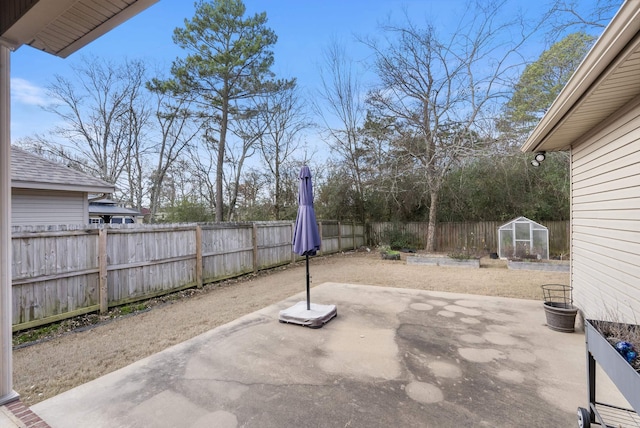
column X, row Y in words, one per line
column 306, row 238
column 306, row 242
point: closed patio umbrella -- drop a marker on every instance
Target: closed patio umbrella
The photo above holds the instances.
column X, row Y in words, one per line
column 306, row 242
column 306, row 238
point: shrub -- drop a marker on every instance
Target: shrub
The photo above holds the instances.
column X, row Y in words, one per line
column 397, row 238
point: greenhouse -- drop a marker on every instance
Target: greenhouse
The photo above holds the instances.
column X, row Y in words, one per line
column 522, row 238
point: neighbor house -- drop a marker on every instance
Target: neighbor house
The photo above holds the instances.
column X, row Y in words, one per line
column 105, row 210
column 47, row 193
column 596, row 118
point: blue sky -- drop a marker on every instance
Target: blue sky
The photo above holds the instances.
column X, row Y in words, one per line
column 304, row 29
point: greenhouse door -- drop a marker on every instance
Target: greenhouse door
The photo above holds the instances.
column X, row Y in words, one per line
column 522, row 242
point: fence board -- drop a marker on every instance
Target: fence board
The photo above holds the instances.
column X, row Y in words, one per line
column 330, row 236
column 477, row 237
column 56, row 271
column 226, row 251
column 274, row 244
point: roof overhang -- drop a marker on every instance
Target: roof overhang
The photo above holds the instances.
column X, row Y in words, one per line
column 62, row 27
column 113, row 210
column 606, row 80
column 18, row 184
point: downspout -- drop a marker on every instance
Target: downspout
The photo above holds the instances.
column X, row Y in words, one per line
column 7, row 394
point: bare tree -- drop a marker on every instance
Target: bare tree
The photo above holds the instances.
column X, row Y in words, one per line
column 442, row 90
column 283, row 116
column 135, row 120
column 202, row 167
column 573, row 16
column 101, row 115
column 249, row 129
column 178, row 126
column 250, row 195
column 341, row 107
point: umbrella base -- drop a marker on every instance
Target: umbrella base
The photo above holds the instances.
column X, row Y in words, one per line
column 316, row 317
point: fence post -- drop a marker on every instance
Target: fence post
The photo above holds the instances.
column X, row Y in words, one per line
column 199, row 256
column 320, row 231
column 102, row 268
column 293, row 255
column 353, row 235
column 366, row 233
column 254, row 240
column 339, row 237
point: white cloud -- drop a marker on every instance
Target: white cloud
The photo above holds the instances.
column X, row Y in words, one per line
column 25, row 92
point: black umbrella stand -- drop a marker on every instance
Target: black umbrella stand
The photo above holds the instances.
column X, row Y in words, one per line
column 308, row 280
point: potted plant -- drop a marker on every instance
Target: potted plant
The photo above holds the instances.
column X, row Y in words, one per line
column 558, row 307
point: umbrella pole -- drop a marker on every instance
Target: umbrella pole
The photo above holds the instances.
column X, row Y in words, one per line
column 308, row 296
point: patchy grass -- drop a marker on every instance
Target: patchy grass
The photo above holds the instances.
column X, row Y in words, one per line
column 82, row 322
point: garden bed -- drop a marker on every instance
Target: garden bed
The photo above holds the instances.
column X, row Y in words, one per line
column 602, row 338
column 543, row 265
column 442, row 260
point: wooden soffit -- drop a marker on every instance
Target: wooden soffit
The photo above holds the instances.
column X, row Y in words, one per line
column 61, row 27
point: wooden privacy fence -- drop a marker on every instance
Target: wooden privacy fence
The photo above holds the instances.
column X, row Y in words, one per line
column 480, row 237
column 61, row 272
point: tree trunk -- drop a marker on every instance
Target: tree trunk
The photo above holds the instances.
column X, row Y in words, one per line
column 220, row 165
column 431, row 228
column 277, row 184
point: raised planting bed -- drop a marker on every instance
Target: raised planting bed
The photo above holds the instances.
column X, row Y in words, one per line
column 441, row 260
column 390, row 255
column 545, row 265
column 601, row 337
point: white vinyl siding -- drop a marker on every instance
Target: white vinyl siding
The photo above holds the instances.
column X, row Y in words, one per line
column 48, row 207
column 605, row 243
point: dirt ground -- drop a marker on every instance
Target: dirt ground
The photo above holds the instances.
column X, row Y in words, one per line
column 50, row 367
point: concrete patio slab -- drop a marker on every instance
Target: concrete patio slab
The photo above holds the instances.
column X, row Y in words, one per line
column 392, row 357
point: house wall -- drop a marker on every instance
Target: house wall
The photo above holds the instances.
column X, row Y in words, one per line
column 605, row 241
column 48, row 207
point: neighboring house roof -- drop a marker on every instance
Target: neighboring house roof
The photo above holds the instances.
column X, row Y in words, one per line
column 109, row 207
column 62, row 27
column 29, row 171
column 605, row 81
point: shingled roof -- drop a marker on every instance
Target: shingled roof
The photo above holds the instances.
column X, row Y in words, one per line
column 29, row 171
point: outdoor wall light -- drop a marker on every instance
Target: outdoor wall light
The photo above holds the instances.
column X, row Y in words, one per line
column 538, row 158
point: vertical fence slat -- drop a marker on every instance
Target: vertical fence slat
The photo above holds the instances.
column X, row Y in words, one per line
column 481, row 237
column 102, row 275
column 199, row 256
column 254, row 242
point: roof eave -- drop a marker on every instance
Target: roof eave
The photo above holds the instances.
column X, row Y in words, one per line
column 107, row 26
column 18, row 184
column 621, row 30
column 26, row 29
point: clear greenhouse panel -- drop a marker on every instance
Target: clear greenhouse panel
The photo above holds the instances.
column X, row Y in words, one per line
column 523, row 239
